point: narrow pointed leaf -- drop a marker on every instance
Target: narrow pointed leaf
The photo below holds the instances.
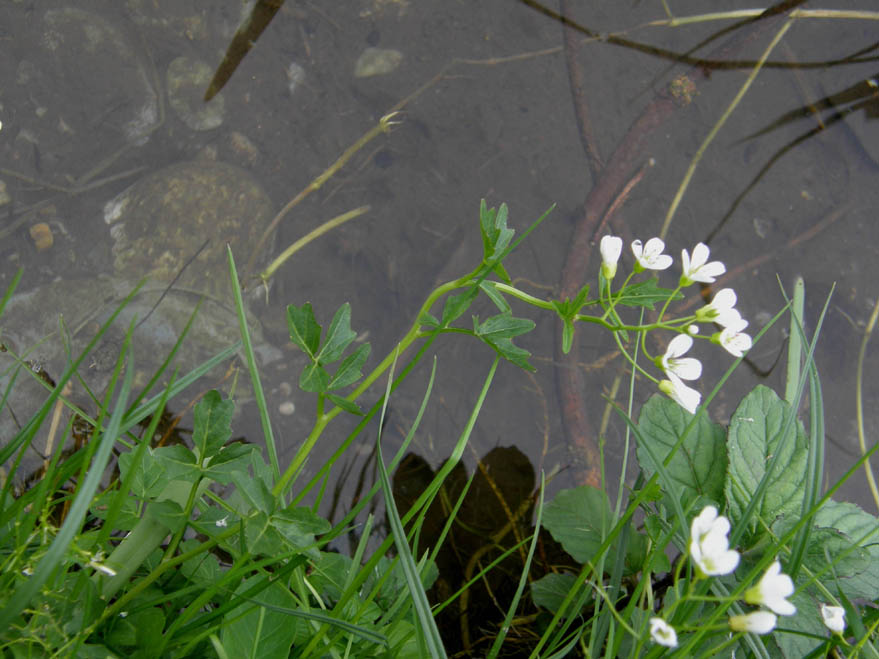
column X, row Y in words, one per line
column 304, row 329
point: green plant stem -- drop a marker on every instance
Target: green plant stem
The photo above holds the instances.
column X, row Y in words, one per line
column 323, row 419
column 795, row 345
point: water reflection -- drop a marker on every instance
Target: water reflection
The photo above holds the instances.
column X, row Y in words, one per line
column 494, row 121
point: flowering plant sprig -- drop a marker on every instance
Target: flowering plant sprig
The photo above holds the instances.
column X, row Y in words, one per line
column 720, row 311
column 712, row 557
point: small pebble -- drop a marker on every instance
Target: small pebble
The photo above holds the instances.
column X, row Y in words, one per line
column 287, row 408
column 42, row 236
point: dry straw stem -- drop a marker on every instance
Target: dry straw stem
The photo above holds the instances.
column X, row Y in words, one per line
column 859, row 401
column 720, row 122
column 754, row 13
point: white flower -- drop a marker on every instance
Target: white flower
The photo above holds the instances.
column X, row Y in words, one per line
column 709, row 545
column 687, row 368
column 222, row 523
column 721, row 310
column 611, row 247
column 692, row 330
column 663, row 633
column 685, row 396
column 834, row 617
column 699, row 269
column 650, row 256
column 733, row 339
column 772, row 591
column 758, row 622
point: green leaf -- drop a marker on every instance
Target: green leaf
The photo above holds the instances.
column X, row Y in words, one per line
column 754, row 438
column 178, row 461
column 204, row 569
column 255, row 631
column 349, row 370
column 347, row 405
column 140, row 628
column 231, row 459
column 304, row 330
column 509, row 351
column 329, row 576
column 168, row 513
column 254, row 491
column 314, row 378
column 502, row 326
column 849, row 560
column 299, row 526
column 550, row 590
column 862, row 530
column 645, row 294
column 429, row 321
column 262, row 536
column 698, row 468
column 576, row 518
column 491, row 291
column 567, row 336
column 212, row 423
column 149, row 478
column 339, row 336
column 457, row 304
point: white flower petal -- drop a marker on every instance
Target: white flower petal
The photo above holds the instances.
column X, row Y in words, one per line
column 650, row 256
column 685, row 396
column 709, row 544
column 734, row 341
column 663, row 633
column 834, row 617
column 772, row 591
column 697, row 268
column 757, row 622
column 686, row 368
column 679, row 346
column 610, row 247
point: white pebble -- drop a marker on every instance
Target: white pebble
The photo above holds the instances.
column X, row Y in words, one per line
column 287, row 408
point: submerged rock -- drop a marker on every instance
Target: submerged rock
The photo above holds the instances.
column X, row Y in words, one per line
column 376, row 62
column 158, row 224
column 187, row 81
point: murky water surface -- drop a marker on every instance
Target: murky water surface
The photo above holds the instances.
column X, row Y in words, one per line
column 101, row 96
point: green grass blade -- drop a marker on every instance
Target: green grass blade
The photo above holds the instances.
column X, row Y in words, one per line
column 795, row 342
column 258, row 393
column 523, row 579
column 426, row 623
column 72, row 524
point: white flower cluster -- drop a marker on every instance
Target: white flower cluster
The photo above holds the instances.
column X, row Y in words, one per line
column 721, row 311
column 709, row 549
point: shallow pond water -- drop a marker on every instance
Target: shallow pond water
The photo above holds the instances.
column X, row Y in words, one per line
column 494, row 119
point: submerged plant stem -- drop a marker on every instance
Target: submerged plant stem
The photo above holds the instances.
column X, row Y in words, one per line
column 720, row 122
column 383, row 126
